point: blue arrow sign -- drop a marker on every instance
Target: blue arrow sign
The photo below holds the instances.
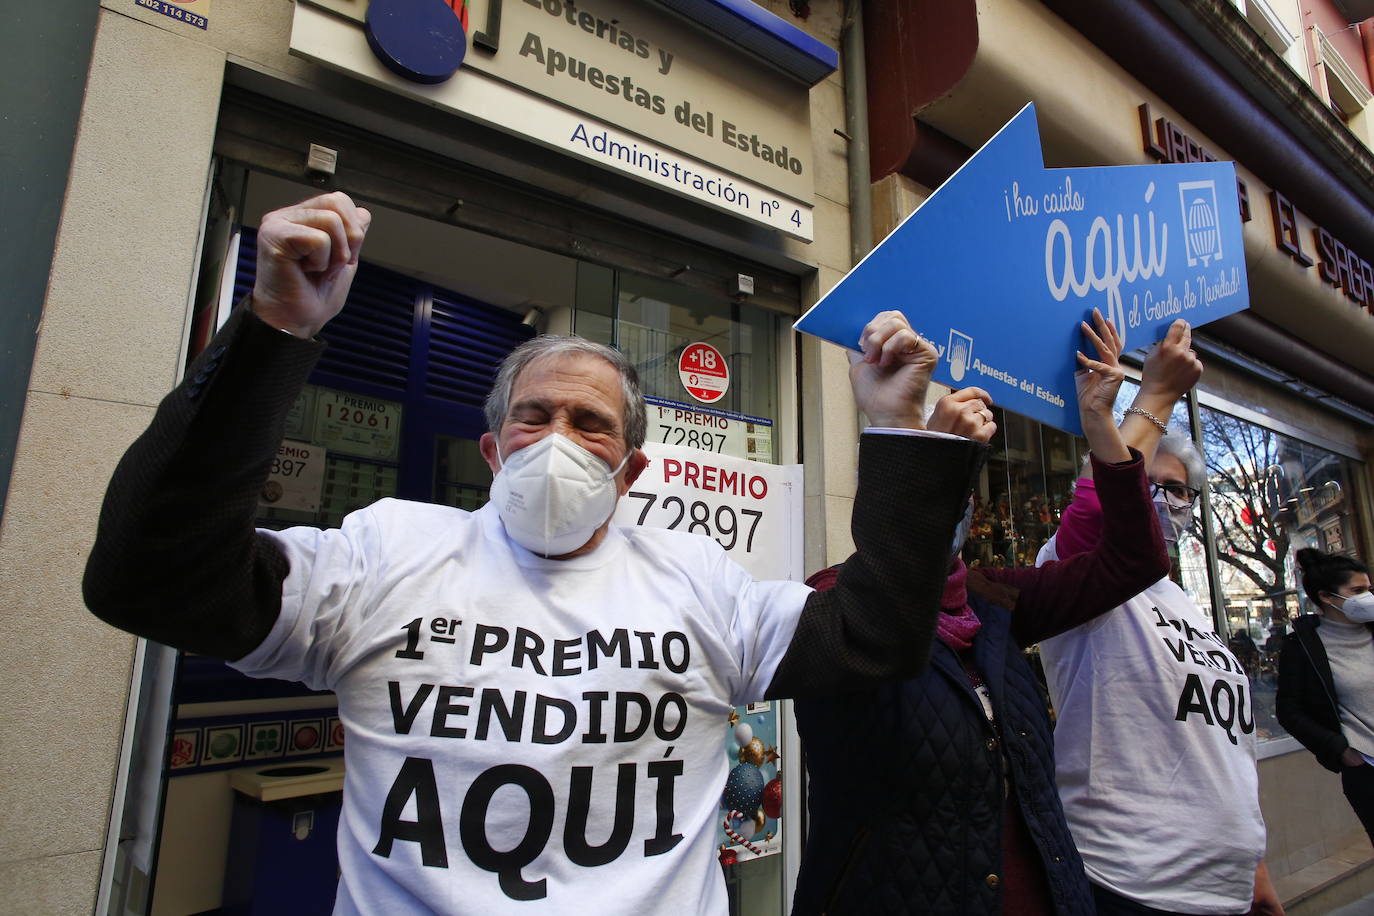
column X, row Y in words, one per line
column 998, row 265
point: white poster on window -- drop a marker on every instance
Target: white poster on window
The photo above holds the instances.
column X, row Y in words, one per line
column 296, row 478
column 753, row 510
column 358, row 425
column 710, row 429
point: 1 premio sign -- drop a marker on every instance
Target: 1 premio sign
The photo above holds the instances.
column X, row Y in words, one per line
column 420, row 40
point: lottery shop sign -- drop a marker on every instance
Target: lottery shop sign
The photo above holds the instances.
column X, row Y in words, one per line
column 704, row 372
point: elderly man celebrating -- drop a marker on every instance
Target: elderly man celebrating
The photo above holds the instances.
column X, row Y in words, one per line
column 558, row 751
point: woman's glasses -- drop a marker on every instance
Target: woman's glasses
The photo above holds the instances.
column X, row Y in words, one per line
column 1178, row 495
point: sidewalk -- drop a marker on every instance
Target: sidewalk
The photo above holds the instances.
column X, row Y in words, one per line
column 1362, row 907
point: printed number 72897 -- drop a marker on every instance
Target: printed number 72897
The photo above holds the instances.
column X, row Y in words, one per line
column 699, row 518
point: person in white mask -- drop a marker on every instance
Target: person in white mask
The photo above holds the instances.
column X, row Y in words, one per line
column 558, row 477
column 1154, row 739
column 532, row 696
column 1326, row 675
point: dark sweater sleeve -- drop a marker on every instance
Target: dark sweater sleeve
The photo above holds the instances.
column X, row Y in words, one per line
column 1128, row 557
column 176, row 557
column 878, row 620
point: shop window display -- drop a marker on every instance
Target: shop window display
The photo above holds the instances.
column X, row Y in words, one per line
column 335, row 458
column 1028, row 482
column 1270, row 496
column 1022, row 492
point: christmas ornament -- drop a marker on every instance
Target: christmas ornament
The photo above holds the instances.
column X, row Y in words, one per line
column 772, row 798
column 753, row 752
column 744, row 788
column 760, row 823
column 734, row 834
column 744, row 733
column 727, row 856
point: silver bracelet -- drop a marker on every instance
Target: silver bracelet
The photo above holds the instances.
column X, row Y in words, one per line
column 1164, row 430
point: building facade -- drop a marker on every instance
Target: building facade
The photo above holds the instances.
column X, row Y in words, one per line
column 673, row 177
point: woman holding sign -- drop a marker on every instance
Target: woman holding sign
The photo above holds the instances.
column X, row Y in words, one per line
column 936, row 795
column 1154, row 742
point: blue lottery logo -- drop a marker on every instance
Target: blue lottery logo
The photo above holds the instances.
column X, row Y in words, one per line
column 421, row 40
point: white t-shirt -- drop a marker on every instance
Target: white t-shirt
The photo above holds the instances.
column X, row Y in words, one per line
column 524, row 729
column 1154, row 748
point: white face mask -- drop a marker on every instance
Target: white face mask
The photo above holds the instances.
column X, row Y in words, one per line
column 1359, row 608
column 1174, row 521
column 553, row 494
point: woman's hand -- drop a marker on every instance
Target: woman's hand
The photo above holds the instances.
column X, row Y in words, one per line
column 1098, row 380
column 967, row 412
column 1171, row 367
column 1266, row 900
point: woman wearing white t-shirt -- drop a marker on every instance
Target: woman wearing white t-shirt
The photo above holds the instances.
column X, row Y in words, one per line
column 1326, row 675
column 1154, row 741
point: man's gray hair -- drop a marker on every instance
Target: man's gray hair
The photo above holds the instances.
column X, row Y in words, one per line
column 1183, row 448
column 636, row 421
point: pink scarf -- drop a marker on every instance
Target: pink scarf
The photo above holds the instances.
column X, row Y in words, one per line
column 957, row 624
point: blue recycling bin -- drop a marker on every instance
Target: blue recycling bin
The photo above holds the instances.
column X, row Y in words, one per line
column 282, row 854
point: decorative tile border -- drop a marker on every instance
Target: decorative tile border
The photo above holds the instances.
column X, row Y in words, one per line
column 266, row 740
column 333, row 734
column 224, row 742
column 305, row 737
column 184, row 753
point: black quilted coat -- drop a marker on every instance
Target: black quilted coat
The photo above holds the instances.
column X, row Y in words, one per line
column 906, row 789
column 906, row 780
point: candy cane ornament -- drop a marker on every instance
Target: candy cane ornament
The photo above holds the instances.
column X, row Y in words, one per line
column 730, row 832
